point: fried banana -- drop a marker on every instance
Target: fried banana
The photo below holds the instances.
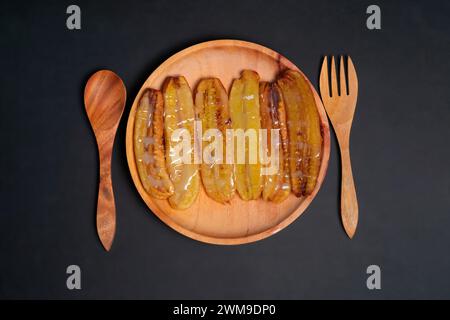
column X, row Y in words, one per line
column 304, row 131
column 211, row 107
column 179, row 114
column 276, row 187
column 149, row 147
column 244, row 110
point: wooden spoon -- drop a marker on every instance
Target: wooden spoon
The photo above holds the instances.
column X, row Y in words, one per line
column 104, row 100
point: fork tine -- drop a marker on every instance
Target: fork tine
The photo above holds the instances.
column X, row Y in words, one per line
column 323, row 80
column 352, row 78
column 343, row 85
column 334, row 88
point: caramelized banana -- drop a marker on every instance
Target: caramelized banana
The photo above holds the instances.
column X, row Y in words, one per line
column 211, row 107
column 276, row 187
column 305, row 136
column 179, row 114
column 244, row 110
column 149, row 147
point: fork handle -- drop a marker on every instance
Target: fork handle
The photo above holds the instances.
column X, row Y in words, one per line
column 349, row 202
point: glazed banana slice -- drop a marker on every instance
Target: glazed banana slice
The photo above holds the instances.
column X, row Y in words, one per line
column 276, row 187
column 211, row 107
column 149, row 147
column 179, row 114
column 304, row 130
column 244, row 110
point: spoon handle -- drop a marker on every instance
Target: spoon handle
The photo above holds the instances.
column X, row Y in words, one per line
column 106, row 209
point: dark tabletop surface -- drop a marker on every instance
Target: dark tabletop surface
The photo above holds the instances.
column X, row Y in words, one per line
column 400, row 153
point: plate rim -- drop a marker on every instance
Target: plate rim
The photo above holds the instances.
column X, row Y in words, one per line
column 241, row 239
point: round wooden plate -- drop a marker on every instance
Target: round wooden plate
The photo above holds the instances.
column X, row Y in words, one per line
column 207, row 220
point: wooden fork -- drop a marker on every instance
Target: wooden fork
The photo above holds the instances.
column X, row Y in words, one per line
column 340, row 107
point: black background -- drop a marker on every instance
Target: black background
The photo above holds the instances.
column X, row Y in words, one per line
column 400, row 152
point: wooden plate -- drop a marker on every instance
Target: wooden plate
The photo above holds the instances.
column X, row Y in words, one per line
column 207, row 220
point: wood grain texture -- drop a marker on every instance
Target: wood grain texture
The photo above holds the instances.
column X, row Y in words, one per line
column 104, row 99
column 340, row 106
column 207, row 220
